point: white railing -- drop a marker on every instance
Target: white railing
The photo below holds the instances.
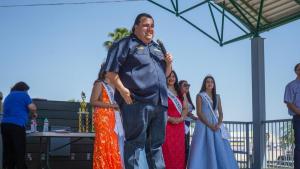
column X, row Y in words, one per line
column 279, row 144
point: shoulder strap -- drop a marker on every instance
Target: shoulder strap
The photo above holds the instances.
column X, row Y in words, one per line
column 176, row 101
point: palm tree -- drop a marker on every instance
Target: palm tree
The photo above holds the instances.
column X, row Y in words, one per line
column 118, row 34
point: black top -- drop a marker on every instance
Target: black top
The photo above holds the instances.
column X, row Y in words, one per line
column 141, row 68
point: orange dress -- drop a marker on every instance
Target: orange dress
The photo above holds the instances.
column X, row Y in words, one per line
column 106, row 149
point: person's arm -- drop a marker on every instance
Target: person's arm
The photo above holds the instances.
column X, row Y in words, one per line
column 173, row 120
column 201, row 115
column 125, row 93
column 289, row 96
column 220, row 119
column 32, row 109
column 96, row 101
column 293, row 107
column 184, row 107
column 177, row 120
column 116, row 57
column 192, row 116
column 168, row 60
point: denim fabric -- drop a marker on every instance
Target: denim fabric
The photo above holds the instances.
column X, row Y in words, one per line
column 296, row 126
column 144, row 125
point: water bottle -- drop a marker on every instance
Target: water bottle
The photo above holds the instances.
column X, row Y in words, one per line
column 46, row 125
column 33, row 125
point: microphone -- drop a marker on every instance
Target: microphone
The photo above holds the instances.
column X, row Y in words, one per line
column 162, row 47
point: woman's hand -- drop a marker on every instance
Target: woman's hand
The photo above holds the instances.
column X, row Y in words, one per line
column 213, row 127
column 175, row 120
column 172, row 120
column 218, row 126
column 34, row 115
column 115, row 106
column 193, row 117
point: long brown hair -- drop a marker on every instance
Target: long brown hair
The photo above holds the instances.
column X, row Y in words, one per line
column 176, row 85
column 187, row 94
column 214, row 93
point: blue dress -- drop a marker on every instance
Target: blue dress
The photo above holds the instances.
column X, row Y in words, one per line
column 208, row 149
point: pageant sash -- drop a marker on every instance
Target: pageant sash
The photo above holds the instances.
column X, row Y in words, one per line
column 110, row 92
column 178, row 106
column 224, row 131
column 176, row 101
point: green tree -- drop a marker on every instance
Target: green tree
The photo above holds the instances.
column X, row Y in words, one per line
column 118, row 34
column 287, row 139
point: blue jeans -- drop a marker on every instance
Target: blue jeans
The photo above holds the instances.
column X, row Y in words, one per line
column 296, row 126
column 144, row 125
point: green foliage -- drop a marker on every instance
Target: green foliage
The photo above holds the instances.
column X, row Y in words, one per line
column 118, row 34
column 287, row 139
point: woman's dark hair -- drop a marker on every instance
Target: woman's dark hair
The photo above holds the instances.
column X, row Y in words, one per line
column 101, row 74
column 1, row 96
column 214, row 93
column 187, row 94
column 295, row 69
column 176, row 85
column 138, row 20
column 20, row 86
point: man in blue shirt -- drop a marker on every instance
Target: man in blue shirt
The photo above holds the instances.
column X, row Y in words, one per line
column 138, row 69
column 292, row 100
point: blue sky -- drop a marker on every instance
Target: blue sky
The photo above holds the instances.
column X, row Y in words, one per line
column 57, row 50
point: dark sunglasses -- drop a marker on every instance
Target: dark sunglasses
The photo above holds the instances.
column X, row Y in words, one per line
column 186, row 85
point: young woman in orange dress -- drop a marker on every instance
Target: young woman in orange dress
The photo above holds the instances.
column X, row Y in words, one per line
column 108, row 127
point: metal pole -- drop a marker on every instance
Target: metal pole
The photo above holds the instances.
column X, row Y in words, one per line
column 258, row 100
column 1, row 144
column 248, row 146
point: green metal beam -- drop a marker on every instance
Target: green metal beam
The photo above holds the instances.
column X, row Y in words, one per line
column 259, row 17
column 215, row 24
column 253, row 31
column 174, row 7
column 222, row 28
column 247, row 12
column 199, row 29
column 237, row 18
column 224, row 8
column 167, row 9
column 237, row 39
column 245, row 18
column 253, row 10
column 177, row 7
column 195, row 6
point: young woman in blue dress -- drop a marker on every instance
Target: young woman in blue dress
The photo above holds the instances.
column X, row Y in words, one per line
column 210, row 148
